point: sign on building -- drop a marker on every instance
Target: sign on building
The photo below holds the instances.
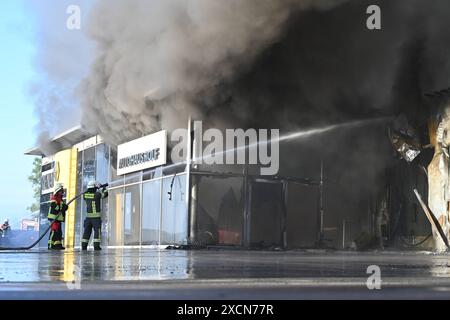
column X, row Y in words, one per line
column 143, row 153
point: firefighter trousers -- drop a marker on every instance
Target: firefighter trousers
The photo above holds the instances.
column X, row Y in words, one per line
column 89, row 224
column 55, row 240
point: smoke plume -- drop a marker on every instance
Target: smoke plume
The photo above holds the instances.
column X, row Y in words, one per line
column 157, row 57
column 62, row 59
column 160, row 61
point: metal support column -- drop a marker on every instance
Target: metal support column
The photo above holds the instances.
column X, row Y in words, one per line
column 248, row 221
column 320, row 216
column 188, row 180
column 192, row 183
column 284, row 196
column 246, row 196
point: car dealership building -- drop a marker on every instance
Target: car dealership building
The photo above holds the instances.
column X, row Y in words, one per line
column 155, row 202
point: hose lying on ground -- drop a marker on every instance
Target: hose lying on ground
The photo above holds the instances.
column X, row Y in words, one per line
column 415, row 244
column 48, row 229
column 432, row 218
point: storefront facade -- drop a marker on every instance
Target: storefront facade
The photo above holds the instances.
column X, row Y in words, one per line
column 139, row 211
column 154, row 202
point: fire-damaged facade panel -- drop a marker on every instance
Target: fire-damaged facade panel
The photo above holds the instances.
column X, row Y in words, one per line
column 438, row 176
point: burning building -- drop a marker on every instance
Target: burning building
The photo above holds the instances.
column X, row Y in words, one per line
column 154, row 201
column 296, row 66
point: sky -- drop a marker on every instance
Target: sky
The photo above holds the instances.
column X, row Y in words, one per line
column 17, row 120
column 37, row 59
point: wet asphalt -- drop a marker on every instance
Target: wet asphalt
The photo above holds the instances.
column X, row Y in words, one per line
column 221, row 274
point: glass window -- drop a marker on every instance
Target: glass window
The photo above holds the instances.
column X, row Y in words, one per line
column 151, row 212
column 48, row 166
column 149, row 174
column 88, row 166
column 132, row 207
column 47, row 181
column 88, row 173
column 43, row 223
column 266, row 214
column 174, row 168
column 220, row 210
column 301, row 226
column 45, row 197
column 102, row 165
column 133, row 177
column 174, row 211
column 79, row 207
column 114, row 179
column 115, row 221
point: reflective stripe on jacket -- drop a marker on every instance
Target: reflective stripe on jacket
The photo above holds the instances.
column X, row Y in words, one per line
column 56, row 212
column 94, row 203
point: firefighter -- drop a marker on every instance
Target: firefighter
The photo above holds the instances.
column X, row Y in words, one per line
column 56, row 216
column 4, row 228
column 5, row 225
column 93, row 198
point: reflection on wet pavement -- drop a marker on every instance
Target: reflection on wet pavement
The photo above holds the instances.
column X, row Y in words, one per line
column 151, row 264
column 69, row 266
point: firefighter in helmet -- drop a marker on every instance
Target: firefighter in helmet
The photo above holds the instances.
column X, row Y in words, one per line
column 93, row 198
column 56, row 216
column 4, row 228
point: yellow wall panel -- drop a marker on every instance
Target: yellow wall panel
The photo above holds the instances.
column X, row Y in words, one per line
column 66, row 173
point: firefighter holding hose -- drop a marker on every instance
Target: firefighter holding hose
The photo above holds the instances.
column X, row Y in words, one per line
column 93, row 198
column 56, row 216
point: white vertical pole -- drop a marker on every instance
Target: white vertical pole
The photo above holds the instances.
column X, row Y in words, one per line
column 343, row 234
column 188, row 178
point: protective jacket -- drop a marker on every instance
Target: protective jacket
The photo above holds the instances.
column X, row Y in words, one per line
column 93, row 200
column 58, row 208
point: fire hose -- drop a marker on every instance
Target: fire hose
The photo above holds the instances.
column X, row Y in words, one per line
column 432, row 219
column 49, row 227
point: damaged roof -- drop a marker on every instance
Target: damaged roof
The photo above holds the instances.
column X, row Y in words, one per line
column 63, row 140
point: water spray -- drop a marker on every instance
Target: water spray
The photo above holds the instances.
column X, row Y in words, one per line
column 302, row 134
